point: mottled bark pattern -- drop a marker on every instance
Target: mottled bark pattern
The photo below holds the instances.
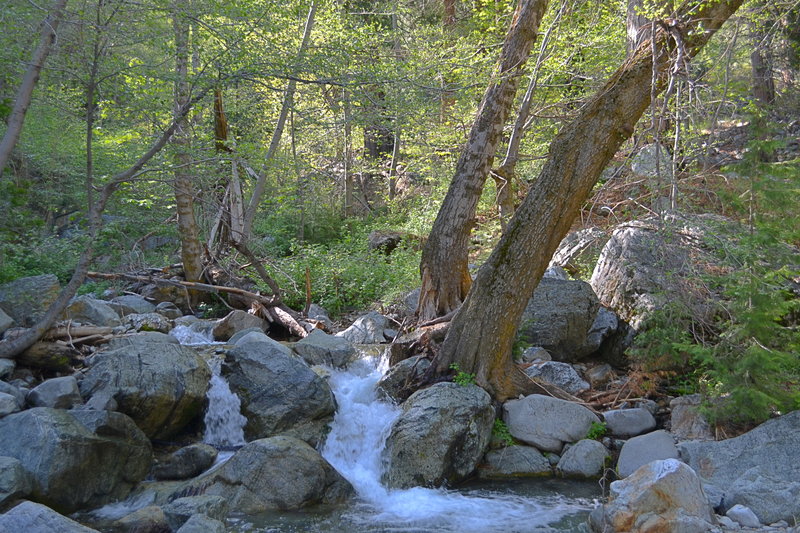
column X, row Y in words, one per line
column 482, row 332
column 445, row 279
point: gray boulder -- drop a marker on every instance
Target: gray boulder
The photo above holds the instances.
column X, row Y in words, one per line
column 161, row 386
column 319, row 348
column 36, row 518
column 317, row 312
column 5, row 322
column 561, row 375
column 405, row 372
column 663, row 496
column 201, row 523
column 513, row 462
column 686, row 422
column 759, row 469
column 743, row 516
column 149, row 519
column 130, row 304
column 547, row 423
column 536, row 353
column 88, row 310
column 7, row 367
column 585, row 459
column 169, row 310
column 18, row 395
column 367, row 329
column 76, row 459
column 578, row 249
column 244, row 336
column 558, row 317
column 651, row 161
column 15, row 482
column 280, row 472
column 605, row 325
column 148, row 322
column 440, row 436
column 179, row 511
column 188, row 462
column 279, row 393
column 60, row 393
column 140, row 338
column 26, row 299
column 644, row 449
column 236, row 321
column 8, row 404
column 629, row 422
column 600, row 375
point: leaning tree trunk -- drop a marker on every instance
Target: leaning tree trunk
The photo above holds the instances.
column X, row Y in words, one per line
column 29, row 80
column 483, row 331
column 445, row 278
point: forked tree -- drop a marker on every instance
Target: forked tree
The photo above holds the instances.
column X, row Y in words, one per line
column 482, row 332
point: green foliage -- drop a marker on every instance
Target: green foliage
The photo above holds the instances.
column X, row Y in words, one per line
column 462, row 378
column 500, row 432
column 597, row 431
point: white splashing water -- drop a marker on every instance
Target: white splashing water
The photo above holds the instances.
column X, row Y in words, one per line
column 355, row 446
column 223, row 420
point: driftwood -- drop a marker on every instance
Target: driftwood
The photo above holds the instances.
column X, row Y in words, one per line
column 76, row 332
column 267, row 301
column 51, row 356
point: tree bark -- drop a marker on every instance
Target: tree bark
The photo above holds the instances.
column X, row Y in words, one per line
column 483, row 331
column 191, row 248
column 29, row 80
column 445, row 278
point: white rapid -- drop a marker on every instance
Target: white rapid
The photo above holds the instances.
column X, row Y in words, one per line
column 355, row 445
column 224, row 421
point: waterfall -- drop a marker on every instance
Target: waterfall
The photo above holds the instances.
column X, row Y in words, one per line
column 355, row 446
column 223, row 420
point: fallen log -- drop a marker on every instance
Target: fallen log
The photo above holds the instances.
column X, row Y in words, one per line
column 267, row 301
column 75, row 332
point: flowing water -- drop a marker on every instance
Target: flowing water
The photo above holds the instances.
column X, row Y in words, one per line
column 354, row 447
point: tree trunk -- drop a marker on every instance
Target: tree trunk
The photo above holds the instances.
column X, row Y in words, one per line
column 445, row 278
column 191, row 248
column 483, row 331
column 761, row 64
column 29, row 80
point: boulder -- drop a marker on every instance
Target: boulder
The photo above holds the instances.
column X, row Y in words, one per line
column 26, row 300
column 187, row 462
column 513, row 462
column 629, row 422
column 15, row 482
column 5, row 322
column 201, row 523
column 558, row 317
column 600, row 375
column 8, row 404
column 651, row 161
column 236, row 321
column 7, row 367
column 280, row 472
column 76, row 459
column 385, row 241
column 536, row 353
column 547, row 423
column 319, row 348
column 149, row 519
column 392, row 384
column 130, row 304
column 148, row 322
column 60, row 393
column 279, row 393
column 579, row 249
column 36, row 518
column 440, row 436
column 166, row 293
column 15, row 392
column 662, row 496
column 161, row 386
column 367, row 329
column 317, row 312
column 88, row 310
column 140, row 338
column 604, row 326
column 178, row 511
column 248, row 335
column 585, row 459
column 168, row 310
column 647, row 264
column 686, row 422
column 743, row 516
column 759, row 469
column 644, row 449
column 561, row 375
